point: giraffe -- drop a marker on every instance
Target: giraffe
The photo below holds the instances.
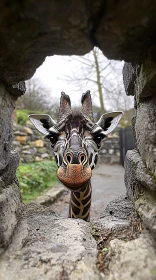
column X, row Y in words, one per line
column 76, row 139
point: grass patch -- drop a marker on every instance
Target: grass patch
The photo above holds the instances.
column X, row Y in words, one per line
column 35, row 178
column 22, row 115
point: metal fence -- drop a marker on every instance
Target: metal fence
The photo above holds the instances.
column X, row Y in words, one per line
column 116, row 145
column 127, row 142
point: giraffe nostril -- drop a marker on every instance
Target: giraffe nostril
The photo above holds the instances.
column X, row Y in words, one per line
column 75, row 159
column 69, row 158
column 82, row 158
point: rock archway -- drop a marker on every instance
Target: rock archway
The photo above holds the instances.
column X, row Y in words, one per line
column 29, row 31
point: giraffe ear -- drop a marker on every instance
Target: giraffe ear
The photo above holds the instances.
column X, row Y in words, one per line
column 65, row 107
column 87, row 104
column 42, row 122
column 109, row 121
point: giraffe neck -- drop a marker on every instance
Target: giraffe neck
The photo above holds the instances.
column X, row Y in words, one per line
column 80, row 202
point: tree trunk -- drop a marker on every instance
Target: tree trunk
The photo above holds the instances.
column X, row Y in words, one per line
column 99, row 82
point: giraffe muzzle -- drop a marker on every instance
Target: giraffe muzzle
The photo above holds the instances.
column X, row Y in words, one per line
column 74, row 176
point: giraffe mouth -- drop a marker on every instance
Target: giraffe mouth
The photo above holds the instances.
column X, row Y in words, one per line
column 74, row 176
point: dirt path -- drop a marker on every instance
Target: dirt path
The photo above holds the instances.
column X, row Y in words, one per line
column 107, row 183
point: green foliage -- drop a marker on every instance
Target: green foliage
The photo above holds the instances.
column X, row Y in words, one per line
column 22, row 116
column 104, row 250
column 36, row 177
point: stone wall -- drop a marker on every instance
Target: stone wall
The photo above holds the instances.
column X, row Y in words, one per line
column 30, row 144
column 140, row 164
column 10, row 198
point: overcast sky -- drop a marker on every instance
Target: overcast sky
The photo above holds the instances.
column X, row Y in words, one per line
column 54, row 68
column 50, row 73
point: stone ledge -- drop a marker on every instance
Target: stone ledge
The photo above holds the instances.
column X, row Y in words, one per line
column 47, row 247
column 131, row 260
column 50, row 196
column 117, row 215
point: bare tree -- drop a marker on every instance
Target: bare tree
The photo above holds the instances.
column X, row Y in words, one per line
column 104, row 77
column 38, row 98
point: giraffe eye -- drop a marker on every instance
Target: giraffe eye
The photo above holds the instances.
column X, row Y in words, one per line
column 98, row 139
column 53, row 140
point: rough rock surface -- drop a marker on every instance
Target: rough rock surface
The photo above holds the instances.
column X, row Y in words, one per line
column 131, row 260
column 141, row 186
column 10, row 202
column 145, row 206
column 130, row 72
column 145, row 83
column 7, row 175
column 139, row 80
column 146, row 119
column 137, row 175
column 48, row 247
column 73, row 27
column 6, row 130
column 117, row 215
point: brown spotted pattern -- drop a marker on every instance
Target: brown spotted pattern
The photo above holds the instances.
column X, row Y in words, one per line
column 80, row 203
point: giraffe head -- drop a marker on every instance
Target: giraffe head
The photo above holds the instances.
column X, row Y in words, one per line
column 75, row 139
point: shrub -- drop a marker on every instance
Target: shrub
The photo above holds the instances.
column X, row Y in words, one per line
column 22, row 116
column 34, row 178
